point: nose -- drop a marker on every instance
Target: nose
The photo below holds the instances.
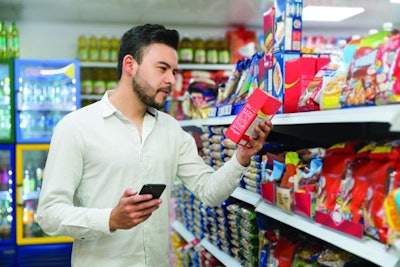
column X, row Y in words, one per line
column 170, row 78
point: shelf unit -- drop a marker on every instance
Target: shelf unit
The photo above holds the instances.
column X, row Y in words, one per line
column 375, row 116
column 227, row 67
column 366, row 248
column 220, row 255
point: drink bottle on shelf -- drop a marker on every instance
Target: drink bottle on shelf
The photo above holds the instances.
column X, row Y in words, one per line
column 13, row 41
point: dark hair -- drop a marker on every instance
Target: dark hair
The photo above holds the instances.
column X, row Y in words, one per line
column 138, row 38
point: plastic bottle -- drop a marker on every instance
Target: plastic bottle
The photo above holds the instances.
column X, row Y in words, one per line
column 114, row 49
column 99, row 83
column 199, row 51
column 93, row 49
column 83, row 48
column 86, row 81
column 104, row 49
column 39, row 178
column 186, row 50
column 111, row 82
column 3, row 41
column 13, row 41
column 224, row 56
column 212, row 51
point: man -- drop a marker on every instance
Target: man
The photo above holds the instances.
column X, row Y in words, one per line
column 101, row 155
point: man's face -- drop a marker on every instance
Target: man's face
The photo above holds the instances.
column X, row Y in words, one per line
column 155, row 76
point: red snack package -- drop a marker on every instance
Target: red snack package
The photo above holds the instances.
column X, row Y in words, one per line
column 336, row 163
column 384, row 159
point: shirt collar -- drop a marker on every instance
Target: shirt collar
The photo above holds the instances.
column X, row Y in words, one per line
column 107, row 109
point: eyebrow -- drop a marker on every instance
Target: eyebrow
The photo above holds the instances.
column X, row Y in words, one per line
column 167, row 65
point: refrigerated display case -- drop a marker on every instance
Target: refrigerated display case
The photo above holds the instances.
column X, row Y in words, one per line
column 7, row 206
column 45, row 91
column 6, row 102
column 30, row 163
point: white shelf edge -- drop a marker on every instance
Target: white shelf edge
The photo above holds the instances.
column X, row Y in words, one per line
column 181, row 229
column 380, row 114
column 185, row 66
column 247, row 196
column 98, row 64
column 365, row 248
column 220, row 255
column 384, row 114
column 228, row 67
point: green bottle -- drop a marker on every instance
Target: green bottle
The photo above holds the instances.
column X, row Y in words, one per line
column 13, row 41
column 3, row 41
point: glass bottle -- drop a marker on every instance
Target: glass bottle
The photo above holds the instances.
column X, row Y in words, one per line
column 224, row 56
column 185, row 50
column 211, row 50
column 199, row 51
column 83, row 51
column 3, row 41
column 114, row 49
column 93, row 49
column 13, row 41
column 104, row 49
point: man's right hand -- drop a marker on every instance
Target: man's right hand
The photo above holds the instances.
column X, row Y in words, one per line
column 132, row 209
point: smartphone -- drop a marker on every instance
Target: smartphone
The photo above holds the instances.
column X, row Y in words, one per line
column 153, row 189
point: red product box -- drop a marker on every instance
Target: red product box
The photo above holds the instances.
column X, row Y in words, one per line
column 298, row 74
column 260, row 106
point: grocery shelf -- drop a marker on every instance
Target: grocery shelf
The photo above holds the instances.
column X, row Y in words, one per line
column 228, row 67
column 247, row 196
column 365, row 248
column 98, row 64
column 380, row 114
column 181, row 229
column 220, row 255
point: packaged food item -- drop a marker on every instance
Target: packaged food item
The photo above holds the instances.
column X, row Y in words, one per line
column 260, row 106
column 361, row 86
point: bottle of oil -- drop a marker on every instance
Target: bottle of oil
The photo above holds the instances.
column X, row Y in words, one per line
column 114, row 49
column 224, row 56
column 104, row 49
column 3, row 41
column 93, row 48
column 212, row 51
column 199, row 51
column 13, row 41
column 83, row 51
column 185, row 50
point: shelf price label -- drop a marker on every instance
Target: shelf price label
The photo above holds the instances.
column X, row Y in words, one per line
column 212, row 112
column 225, row 110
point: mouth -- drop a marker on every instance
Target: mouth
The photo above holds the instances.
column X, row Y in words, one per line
column 165, row 92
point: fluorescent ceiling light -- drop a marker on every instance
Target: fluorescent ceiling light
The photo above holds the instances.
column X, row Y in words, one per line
column 395, row 1
column 330, row 13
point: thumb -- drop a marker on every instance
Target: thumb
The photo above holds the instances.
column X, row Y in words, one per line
column 129, row 192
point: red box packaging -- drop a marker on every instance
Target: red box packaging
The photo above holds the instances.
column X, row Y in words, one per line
column 260, row 106
column 298, row 74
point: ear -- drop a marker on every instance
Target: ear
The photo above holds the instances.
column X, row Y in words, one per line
column 129, row 65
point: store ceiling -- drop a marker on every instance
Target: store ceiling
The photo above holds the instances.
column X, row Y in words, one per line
column 200, row 13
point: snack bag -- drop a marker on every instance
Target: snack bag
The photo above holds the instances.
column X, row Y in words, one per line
column 336, row 162
column 387, row 71
column 334, row 83
column 307, row 99
column 384, row 159
column 361, row 86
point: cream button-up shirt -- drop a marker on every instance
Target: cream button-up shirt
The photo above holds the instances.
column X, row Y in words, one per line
column 95, row 154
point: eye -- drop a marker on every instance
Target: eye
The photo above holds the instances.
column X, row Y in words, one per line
column 163, row 69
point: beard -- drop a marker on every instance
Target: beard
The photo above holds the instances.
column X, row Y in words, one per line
column 141, row 88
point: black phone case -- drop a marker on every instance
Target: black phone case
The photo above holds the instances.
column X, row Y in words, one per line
column 154, row 189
